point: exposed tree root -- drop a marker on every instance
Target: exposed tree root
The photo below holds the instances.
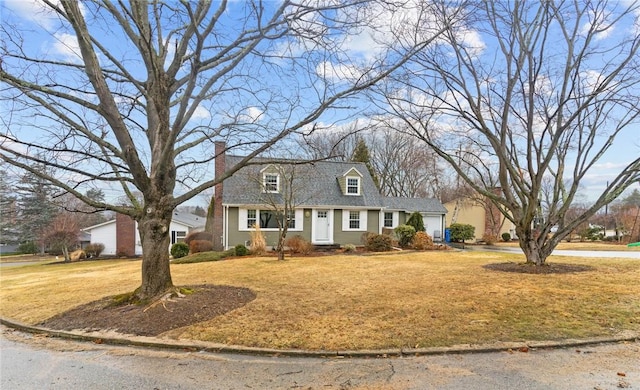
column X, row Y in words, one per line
column 168, row 297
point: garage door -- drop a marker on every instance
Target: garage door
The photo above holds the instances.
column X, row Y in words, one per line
column 432, row 226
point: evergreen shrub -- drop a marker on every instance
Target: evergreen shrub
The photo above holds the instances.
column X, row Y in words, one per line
column 179, row 249
column 405, row 234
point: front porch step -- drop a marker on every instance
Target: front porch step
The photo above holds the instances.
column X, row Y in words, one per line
column 326, row 247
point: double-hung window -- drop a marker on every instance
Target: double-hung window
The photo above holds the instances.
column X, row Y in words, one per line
column 388, row 220
column 354, row 220
column 271, row 182
column 251, row 219
column 353, row 186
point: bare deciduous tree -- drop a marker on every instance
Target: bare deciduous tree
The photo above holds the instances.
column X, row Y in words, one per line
column 144, row 89
column 543, row 104
column 63, row 233
column 288, row 191
column 403, row 165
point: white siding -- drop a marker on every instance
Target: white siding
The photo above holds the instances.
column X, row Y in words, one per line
column 105, row 234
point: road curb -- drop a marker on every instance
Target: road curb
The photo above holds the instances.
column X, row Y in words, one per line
column 202, row 346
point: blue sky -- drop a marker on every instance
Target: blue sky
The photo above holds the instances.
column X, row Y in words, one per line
column 57, row 43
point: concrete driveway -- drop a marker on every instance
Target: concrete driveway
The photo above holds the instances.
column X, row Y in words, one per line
column 559, row 252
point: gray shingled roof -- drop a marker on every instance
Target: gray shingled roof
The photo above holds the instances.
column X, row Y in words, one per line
column 190, row 220
column 429, row 205
column 317, row 185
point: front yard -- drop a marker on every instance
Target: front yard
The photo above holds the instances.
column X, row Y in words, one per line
column 417, row 299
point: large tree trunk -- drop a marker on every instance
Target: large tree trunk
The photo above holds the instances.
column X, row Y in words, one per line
column 532, row 252
column 536, row 249
column 154, row 234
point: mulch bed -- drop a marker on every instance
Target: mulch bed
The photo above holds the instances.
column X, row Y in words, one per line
column 206, row 302
column 547, row 268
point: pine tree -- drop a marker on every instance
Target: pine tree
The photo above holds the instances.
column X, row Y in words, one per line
column 8, row 211
column 35, row 207
column 633, row 199
column 361, row 154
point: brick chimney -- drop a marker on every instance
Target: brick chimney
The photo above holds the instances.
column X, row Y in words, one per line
column 125, row 235
column 220, row 167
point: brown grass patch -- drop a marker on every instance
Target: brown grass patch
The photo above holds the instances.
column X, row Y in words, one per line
column 416, row 299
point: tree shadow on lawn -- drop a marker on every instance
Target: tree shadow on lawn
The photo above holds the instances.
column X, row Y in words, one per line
column 204, row 303
column 548, row 268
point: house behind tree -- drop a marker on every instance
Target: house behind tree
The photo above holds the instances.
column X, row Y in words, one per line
column 336, row 203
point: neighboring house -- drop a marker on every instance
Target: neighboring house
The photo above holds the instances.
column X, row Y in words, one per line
column 483, row 216
column 120, row 235
column 336, row 203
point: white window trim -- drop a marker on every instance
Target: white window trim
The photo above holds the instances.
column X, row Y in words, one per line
column 264, row 183
column 358, row 179
column 242, row 220
column 175, row 238
column 363, row 221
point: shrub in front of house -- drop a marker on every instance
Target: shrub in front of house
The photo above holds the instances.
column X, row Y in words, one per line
column 197, row 246
column 94, row 249
column 202, row 236
column 422, row 241
column 506, row 237
column 349, row 248
column 297, row 244
column 378, row 243
column 240, row 250
column 179, row 249
column 365, row 237
column 415, row 220
column 405, row 234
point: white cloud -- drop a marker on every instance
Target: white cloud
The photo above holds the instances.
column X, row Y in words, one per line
column 201, row 113
column 472, row 41
column 38, row 12
column 340, row 72
column 67, row 46
column 597, row 25
column 34, row 10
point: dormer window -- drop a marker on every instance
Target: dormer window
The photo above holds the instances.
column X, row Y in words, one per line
column 353, row 186
column 351, row 182
column 271, row 182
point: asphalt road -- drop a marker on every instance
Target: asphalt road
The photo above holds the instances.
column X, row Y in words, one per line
column 39, row 362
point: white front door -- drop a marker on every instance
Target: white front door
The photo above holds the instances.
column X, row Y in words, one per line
column 321, row 227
